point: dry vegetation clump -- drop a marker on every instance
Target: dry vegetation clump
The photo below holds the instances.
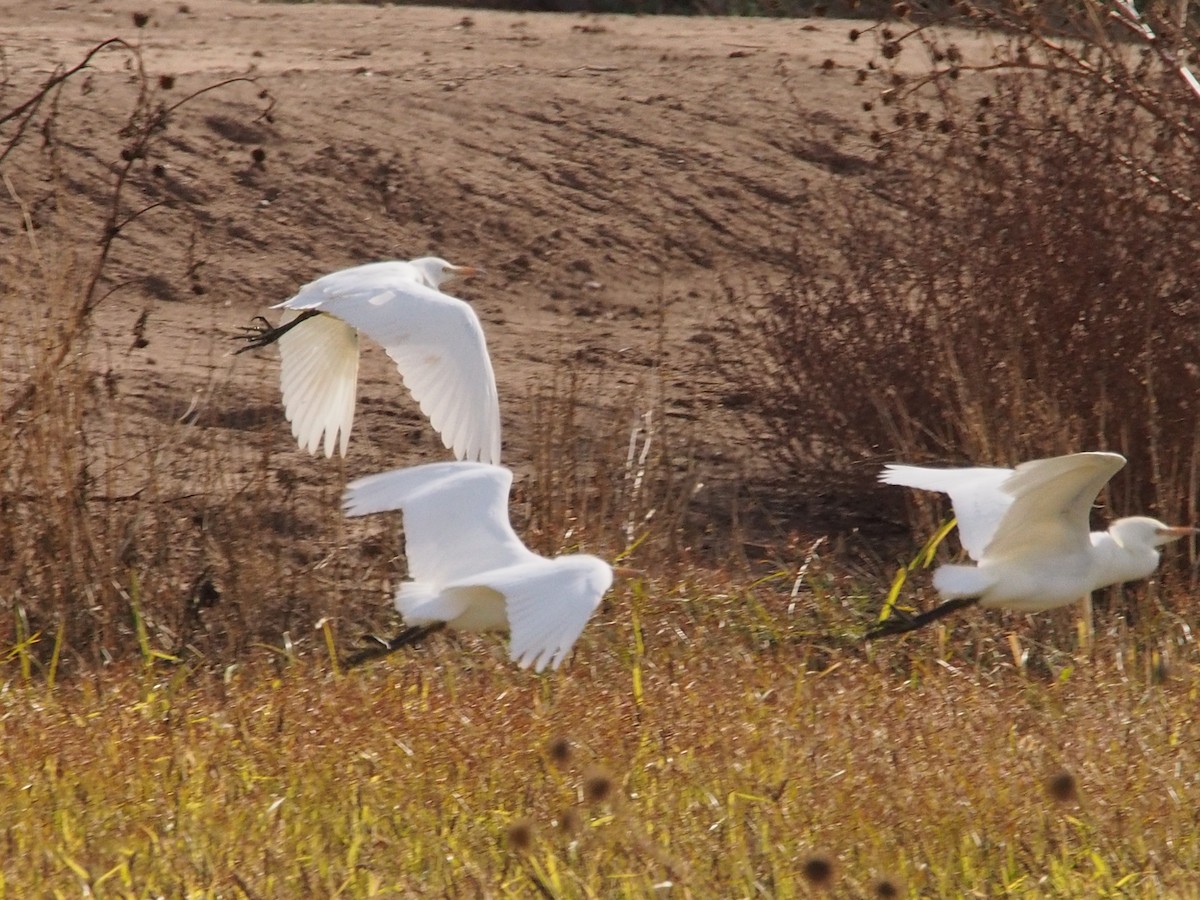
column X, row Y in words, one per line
column 611, row 473
column 1028, row 288
column 131, row 527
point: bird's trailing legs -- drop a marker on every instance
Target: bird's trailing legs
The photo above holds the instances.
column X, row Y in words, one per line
column 262, row 334
column 383, row 647
column 896, row 625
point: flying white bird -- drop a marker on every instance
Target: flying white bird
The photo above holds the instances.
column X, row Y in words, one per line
column 469, row 569
column 1027, row 530
column 435, row 340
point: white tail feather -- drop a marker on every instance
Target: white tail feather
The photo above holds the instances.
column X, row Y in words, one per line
column 413, row 595
column 953, row 582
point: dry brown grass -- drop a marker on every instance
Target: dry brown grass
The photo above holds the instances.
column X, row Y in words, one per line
column 729, row 770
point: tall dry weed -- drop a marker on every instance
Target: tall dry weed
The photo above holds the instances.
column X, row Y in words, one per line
column 131, row 527
column 611, row 470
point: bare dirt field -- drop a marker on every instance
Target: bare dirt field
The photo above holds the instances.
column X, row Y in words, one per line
column 610, row 174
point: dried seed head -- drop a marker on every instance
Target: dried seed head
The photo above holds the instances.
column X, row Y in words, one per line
column 569, row 820
column 140, row 19
column 561, row 751
column 519, row 835
column 259, row 155
column 886, row 889
column 818, row 870
column 828, row 64
column 890, row 50
column 597, row 785
column 855, row 34
column 166, row 82
column 1061, row 787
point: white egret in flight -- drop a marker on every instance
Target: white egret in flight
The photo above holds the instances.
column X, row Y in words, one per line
column 469, row 569
column 1027, row 530
column 435, row 340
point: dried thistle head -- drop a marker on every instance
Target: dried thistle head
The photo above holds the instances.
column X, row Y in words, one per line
column 818, row 870
column 569, row 820
column 1061, row 787
column 519, row 835
column 598, row 785
column 885, row 888
column 561, row 751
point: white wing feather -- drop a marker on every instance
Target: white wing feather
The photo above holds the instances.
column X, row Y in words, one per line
column 1052, row 501
column 549, row 602
column 318, row 375
column 455, row 518
column 979, row 503
column 436, row 341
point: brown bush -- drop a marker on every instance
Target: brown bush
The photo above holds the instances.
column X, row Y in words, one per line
column 1028, row 288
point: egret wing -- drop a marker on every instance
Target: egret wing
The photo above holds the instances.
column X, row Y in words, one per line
column 436, row 341
column 318, row 376
column 549, row 602
column 979, row 503
column 455, row 517
column 1052, row 503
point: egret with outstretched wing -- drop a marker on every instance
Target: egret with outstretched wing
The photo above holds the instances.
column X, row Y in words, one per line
column 435, row 340
column 469, row 569
column 1028, row 531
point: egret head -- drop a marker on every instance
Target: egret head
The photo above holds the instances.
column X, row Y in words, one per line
column 1142, row 531
column 437, row 271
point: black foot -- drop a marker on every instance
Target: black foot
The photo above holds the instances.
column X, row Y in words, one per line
column 261, row 333
column 385, row 647
column 903, row 624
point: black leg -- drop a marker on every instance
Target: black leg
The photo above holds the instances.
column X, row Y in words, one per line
column 261, row 334
column 382, row 648
column 895, row 625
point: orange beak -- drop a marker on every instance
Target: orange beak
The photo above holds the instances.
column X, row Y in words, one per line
column 627, row 572
column 1177, row 531
column 467, row 271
